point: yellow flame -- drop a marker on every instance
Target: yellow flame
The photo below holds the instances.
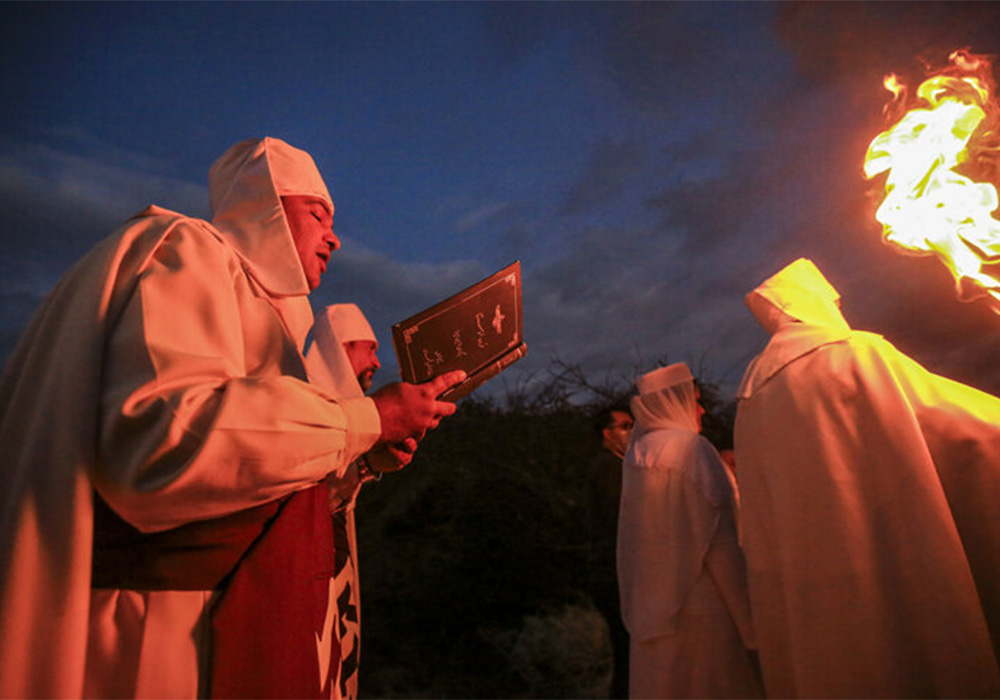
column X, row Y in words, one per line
column 929, row 208
column 893, row 84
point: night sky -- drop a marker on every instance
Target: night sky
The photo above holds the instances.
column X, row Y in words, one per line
column 648, row 163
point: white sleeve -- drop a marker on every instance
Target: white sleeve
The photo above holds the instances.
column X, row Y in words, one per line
column 194, row 424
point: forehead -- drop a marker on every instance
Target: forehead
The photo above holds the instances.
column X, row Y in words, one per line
column 307, row 202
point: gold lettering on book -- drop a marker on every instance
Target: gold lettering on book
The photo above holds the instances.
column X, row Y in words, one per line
column 432, row 360
column 481, row 333
column 459, row 347
column 498, row 320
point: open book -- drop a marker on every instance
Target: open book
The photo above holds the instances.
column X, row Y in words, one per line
column 480, row 330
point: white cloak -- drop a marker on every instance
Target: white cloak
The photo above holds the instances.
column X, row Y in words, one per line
column 330, row 369
column 681, row 572
column 165, row 373
column 869, row 489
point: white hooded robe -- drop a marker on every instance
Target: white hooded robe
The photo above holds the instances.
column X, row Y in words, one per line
column 681, row 572
column 164, row 371
column 330, row 369
column 869, row 488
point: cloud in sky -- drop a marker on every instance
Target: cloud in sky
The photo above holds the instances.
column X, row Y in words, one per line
column 649, row 163
column 613, row 165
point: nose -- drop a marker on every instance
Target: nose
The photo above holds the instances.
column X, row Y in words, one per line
column 332, row 240
column 375, row 363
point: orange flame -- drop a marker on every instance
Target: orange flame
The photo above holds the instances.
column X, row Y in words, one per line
column 930, row 208
column 893, row 84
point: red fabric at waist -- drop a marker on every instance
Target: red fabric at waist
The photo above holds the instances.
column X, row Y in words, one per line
column 269, row 633
column 193, row 557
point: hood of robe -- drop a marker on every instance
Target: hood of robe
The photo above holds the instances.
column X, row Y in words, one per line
column 349, row 323
column 797, row 292
column 326, row 360
column 798, row 307
column 246, row 184
column 666, row 400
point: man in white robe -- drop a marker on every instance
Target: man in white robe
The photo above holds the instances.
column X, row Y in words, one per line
column 681, row 571
column 160, row 387
column 342, row 360
column 869, row 489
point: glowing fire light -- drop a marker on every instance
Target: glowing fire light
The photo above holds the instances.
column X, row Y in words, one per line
column 930, row 208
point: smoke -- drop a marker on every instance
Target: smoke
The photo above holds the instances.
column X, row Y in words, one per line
column 833, row 41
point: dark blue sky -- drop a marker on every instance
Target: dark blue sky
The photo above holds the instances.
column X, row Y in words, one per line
column 649, row 163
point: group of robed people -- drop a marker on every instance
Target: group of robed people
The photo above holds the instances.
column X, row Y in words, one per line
column 172, row 458
column 853, row 552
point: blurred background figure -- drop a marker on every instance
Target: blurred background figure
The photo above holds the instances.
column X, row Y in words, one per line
column 613, row 425
column 681, row 570
column 344, row 351
column 358, row 339
column 343, row 360
column 869, row 488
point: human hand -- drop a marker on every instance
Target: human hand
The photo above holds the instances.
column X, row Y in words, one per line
column 391, row 457
column 410, row 410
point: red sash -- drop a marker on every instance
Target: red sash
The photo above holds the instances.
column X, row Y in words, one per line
column 193, row 557
column 267, row 623
column 273, row 566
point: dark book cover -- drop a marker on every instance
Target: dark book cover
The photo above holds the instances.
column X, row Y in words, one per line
column 480, row 330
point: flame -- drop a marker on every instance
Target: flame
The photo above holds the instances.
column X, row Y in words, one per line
column 930, row 208
column 893, row 84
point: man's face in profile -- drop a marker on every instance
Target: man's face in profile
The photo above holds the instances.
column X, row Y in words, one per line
column 699, row 410
column 311, row 222
column 363, row 356
column 617, row 433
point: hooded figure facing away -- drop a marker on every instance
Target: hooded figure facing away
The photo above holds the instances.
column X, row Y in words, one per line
column 157, row 425
column 869, row 490
column 680, row 568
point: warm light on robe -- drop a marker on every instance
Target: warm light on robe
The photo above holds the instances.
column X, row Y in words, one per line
column 164, row 368
column 349, row 324
column 868, row 491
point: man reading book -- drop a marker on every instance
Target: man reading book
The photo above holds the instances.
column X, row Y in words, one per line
column 158, row 424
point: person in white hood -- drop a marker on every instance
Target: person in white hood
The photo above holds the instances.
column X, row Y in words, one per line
column 156, row 418
column 354, row 336
column 342, row 360
column 681, row 572
column 869, row 487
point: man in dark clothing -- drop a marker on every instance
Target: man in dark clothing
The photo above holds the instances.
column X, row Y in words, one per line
column 614, row 426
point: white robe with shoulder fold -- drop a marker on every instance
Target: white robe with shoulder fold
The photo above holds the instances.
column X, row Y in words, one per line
column 869, row 491
column 330, row 369
column 162, row 372
column 681, row 572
